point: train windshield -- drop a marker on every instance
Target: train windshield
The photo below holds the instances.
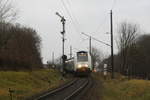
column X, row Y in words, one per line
column 81, row 57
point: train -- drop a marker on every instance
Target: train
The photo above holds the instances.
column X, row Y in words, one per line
column 80, row 64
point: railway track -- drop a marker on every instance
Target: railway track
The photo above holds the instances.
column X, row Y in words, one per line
column 70, row 91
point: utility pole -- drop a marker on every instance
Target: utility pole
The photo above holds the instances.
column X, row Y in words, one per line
column 90, row 38
column 53, row 59
column 70, row 51
column 90, row 47
column 90, row 50
column 63, row 20
column 112, row 55
column 90, row 44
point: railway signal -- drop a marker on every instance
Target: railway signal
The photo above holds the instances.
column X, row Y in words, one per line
column 63, row 20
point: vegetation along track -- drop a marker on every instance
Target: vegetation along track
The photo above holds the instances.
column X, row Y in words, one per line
column 70, row 91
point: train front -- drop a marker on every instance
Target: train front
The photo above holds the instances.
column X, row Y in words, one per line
column 83, row 63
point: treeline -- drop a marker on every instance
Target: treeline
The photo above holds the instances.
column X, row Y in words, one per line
column 137, row 63
column 19, row 47
column 133, row 58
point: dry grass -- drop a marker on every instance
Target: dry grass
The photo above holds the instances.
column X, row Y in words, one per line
column 27, row 83
column 119, row 88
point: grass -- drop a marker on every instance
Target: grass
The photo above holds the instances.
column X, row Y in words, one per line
column 26, row 84
column 121, row 88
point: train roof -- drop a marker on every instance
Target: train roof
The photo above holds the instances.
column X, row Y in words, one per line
column 82, row 52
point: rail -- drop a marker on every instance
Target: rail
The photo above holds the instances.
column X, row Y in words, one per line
column 67, row 92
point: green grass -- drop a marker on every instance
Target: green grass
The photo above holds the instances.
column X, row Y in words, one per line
column 26, row 84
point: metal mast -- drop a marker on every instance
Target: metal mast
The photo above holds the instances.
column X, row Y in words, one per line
column 112, row 55
column 63, row 20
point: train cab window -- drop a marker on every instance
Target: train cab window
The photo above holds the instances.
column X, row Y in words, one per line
column 82, row 57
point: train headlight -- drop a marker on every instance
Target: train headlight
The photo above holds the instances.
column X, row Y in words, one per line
column 86, row 65
column 79, row 66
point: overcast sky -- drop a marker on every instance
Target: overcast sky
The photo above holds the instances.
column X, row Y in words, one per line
column 88, row 16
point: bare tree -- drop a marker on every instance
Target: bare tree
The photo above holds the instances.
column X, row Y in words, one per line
column 21, row 50
column 127, row 37
column 7, row 11
column 142, row 64
column 97, row 57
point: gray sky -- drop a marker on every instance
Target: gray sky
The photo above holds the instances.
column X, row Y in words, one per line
column 89, row 16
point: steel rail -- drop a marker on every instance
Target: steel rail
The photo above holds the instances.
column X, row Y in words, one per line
column 77, row 90
column 56, row 90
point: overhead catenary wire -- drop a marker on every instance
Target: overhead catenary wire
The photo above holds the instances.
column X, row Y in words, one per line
column 70, row 15
column 103, row 21
column 62, row 8
column 68, row 2
column 75, row 19
column 100, row 26
column 96, row 39
column 113, row 4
